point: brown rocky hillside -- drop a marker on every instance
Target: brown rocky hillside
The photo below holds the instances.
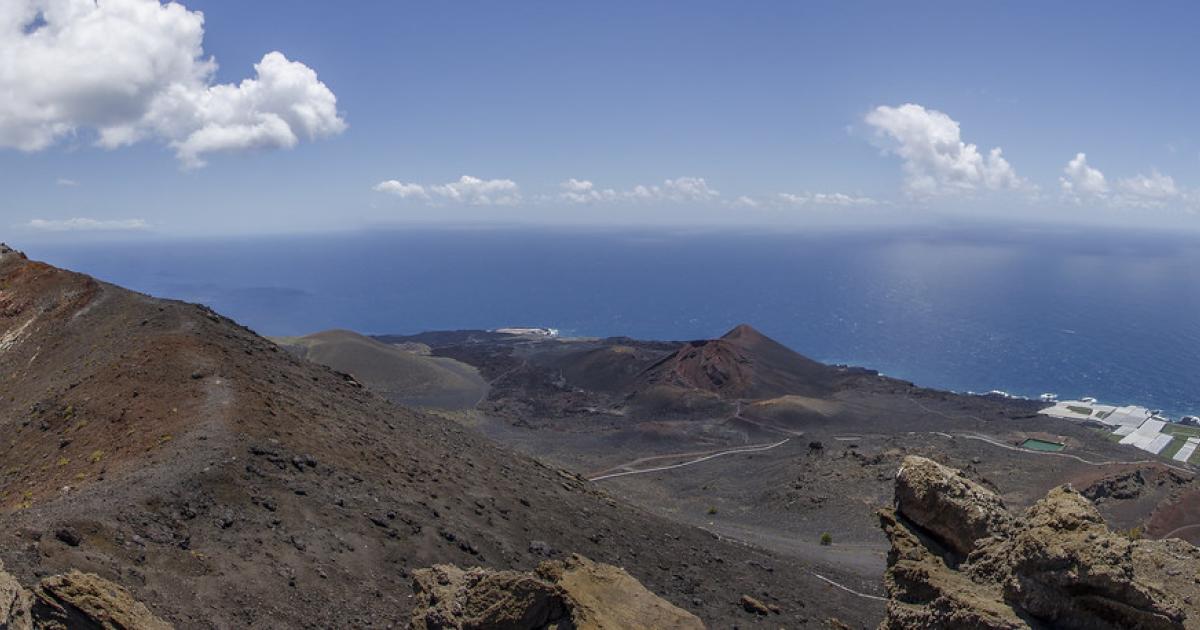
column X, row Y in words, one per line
column 226, row 483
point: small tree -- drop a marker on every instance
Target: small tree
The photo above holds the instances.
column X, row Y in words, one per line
column 826, row 539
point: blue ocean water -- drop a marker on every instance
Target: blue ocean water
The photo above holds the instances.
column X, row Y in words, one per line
column 1100, row 313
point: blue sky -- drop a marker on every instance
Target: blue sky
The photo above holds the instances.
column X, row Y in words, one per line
column 759, row 113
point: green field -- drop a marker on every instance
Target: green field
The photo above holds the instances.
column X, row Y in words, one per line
column 1173, row 447
column 1180, row 429
column 1086, row 411
column 1112, row 437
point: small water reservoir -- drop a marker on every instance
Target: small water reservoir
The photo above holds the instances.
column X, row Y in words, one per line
column 1043, row 445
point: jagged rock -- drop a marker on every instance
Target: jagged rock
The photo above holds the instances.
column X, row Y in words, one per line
column 1057, row 566
column 14, row 600
column 574, row 594
column 84, row 600
column 1128, row 485
column 450, row 597
column 943, row 502
column 925, row 593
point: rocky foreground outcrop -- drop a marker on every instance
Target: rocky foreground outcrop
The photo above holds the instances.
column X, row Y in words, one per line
column 574, row 594
column 960, row 559
column 69, row 601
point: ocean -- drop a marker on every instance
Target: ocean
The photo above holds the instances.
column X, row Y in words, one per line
column 1074, row 312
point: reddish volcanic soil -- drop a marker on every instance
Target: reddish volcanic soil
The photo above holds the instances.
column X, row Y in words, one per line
column 742, row 364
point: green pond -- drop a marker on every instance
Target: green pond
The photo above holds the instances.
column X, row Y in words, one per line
column 1042, row 445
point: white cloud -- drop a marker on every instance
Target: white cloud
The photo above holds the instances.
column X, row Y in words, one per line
column 131, row 70
column 65, row 182
column 825, row 199
column 402, row 190
column 678, row 189
column 467, row 190
column 584, row 191
column 1080, row 180
column 82, row 224
column 480, row 192
column 936, row 160
column 1154, row 186
column 746, row 202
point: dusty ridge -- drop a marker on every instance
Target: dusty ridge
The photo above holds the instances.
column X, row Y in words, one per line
column 400, row 375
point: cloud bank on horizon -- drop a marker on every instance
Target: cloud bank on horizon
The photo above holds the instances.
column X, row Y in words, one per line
column 937, row 164
column 125, row 71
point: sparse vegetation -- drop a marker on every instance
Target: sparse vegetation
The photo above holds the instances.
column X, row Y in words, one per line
column 826, row 539
column 712, row 509
column 1173, row 448
column 1182, row 429
column 1133, row 533
column 96, row 456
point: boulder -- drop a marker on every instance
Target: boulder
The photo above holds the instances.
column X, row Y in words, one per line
column 954, row 509
column 84, row 600
column 450, row 597
column 1066, row 568
column 14, row 603
column 572, row 594
column 1057, row 565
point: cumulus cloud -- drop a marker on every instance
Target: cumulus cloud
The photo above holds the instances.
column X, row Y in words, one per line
column 132, row 70
column 936, row 160
column 480, row 192
column 584, row 191
column 1079, row 180
column 825, row 199
column 1082, row 182
column 83, row 224
column 680, row 189
column 1154, row 186
column 402, row 190
column 467, row 190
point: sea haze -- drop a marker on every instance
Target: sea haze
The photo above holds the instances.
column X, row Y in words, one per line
column 1107, row 314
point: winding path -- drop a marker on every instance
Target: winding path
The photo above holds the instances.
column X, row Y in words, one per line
column 847, row 588
column 1180, row 529
column 750, row 449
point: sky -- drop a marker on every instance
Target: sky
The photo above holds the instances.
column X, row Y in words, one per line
column 216, row 117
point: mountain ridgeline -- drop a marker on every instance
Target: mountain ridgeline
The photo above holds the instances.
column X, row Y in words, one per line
column 228, row 483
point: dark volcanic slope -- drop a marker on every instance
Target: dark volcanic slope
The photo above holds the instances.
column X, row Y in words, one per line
column 230, row 484
column 743, row 363
column 401, row 376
